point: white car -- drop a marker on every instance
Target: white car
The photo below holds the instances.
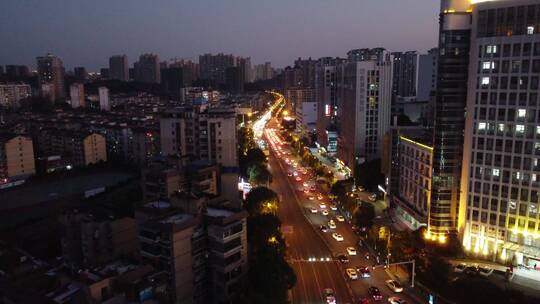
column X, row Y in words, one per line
column 394, row 286
column 484, row 271
column 333, row 207
column 351, row 273
column 322, row 205
column 338, row 237
column 372, row 197
column 340, row 218
column 324, row 212
column 396, row 300
column 351, row 250
column 329, row 295
column 314, row 210
column 331, row 224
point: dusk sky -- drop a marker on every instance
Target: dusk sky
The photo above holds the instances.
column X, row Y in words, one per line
column 86, row 33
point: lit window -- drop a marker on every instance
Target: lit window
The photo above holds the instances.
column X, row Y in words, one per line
column 522, row 112
column 530, row 30
column 501, row 127
column 518, row 175
column 485, row 80
column 491, row 49
column 482, row 126
column 496, row 172
column 488, row 65
column 537, row 129
column 512, row 204
column 520, row 128
column 536, row 161
column 534, row 177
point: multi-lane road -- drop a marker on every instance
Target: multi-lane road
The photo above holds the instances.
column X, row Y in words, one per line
column 311, row 251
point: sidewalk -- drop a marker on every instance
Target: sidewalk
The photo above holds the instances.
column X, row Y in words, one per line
column 328, row 164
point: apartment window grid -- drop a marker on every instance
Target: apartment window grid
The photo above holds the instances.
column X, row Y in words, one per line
column 415, row 176
column 505, row 172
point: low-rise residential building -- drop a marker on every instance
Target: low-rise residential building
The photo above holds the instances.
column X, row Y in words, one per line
column 16, row 157
column 82, row 148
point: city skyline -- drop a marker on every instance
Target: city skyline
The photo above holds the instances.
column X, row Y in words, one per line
column 238, row 27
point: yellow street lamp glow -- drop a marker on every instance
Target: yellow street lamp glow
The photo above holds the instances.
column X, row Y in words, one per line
column 442, row 239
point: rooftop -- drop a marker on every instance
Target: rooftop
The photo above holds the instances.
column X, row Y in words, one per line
column 177, row 218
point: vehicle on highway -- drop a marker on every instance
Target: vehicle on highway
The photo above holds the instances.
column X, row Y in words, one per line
column 298, row 179
column 311, row 198
column 361, row 189
column 306, row 191
column 363, row 271
column 314, row 210
column 333, row 207
column 324, row 212
column 323, row 228
column 331, row 224
column 394, row 286
column 338, row 237
column 351, row 273
column 485, row 271
column 312, row 188
column 320, row 197
column 351, row 250
column 372, row 197
column 289, row 174
column 340, row 218
column 471, row 270
column 322, row 205
column 329, row 295
column 396, row 300
column 305, row 184
column 460, row 268
column 342, row 258
column 375, row 293
column 366, row 256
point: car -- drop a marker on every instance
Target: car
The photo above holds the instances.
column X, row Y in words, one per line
column 306, row 191
column 312, row 188
column 460, row 268
column 322, row 205
column 324, row 212
column 289, row 174
column 311, row 198
column 305, row 184
column 323, row 228
column 298, row 179
column 351, row 273
column 331, row 224
column 485, row 271
column 342, row 258
column 394, row 286
column 320, row 197
column 351, row 250
column 372, row 197
column 314, row 210
column 363, row 271
column 329, row 296
column 367, row 255
column 375, row 293
column 361, row 189
column 396, row 300
column 471, row 270
column 333, row 207
column 338, row 237
column 295, row 173
column 340, row 218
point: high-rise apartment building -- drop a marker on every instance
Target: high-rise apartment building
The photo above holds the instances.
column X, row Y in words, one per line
column 201, row 132
column 213, row 67
column 76, row 93
column 427, row 75
column 263, row 71
column 365, row 89
column 147, row 69
column 51, row 77
column 405, row 74
column 244, row 65
column 119, row 68
column 326, row 98
column 499, row 214
column 80, row 74
column 449, row 108
column 17, row 71
column 104, row 102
